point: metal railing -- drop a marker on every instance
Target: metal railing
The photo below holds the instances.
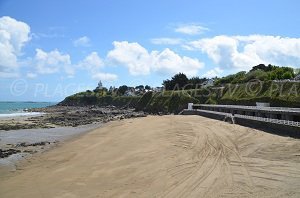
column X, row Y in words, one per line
column 270, row 109
column 214, row 112
column 270, row 120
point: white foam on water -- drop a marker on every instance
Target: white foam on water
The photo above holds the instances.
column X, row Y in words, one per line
column 20, row 114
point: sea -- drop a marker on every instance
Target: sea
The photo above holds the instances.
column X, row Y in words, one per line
column 14, row 109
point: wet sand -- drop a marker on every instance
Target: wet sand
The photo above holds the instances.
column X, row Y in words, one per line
column 27, row 142
column 163, row 156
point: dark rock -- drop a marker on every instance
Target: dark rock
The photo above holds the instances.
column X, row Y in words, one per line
column 7, row 152
column 24, row 144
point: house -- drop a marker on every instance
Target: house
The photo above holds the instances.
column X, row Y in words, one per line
column 130, row 92
column 208, row 83
column 158, row 89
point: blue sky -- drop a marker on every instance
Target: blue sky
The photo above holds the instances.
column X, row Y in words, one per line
column 51, row 49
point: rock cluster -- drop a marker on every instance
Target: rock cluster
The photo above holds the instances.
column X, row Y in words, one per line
column 24, row 144
column 18, row 125
column 7, row 152
column 23, row 147
column 72, row 116
column 76, row 116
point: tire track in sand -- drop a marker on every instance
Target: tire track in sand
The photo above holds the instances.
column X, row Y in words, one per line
column 201, row 175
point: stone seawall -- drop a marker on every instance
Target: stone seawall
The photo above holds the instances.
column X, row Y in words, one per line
column 205, row 114
column 279, row 129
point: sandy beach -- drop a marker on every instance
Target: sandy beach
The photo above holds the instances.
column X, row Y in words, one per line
column 162, row 156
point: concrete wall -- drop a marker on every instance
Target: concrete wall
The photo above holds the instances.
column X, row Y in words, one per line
column 212, row 115
column 205, row 114
column 278, row 129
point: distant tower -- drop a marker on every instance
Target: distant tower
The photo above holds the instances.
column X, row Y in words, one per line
column 99, row 85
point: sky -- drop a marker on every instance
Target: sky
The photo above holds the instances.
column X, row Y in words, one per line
column 55, row 48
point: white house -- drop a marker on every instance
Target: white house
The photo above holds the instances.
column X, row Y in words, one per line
column 208, row 83
column 158, row 89
column 129, row 92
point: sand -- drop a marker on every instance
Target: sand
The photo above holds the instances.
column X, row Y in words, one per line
column 13, row 139
column 166, row 156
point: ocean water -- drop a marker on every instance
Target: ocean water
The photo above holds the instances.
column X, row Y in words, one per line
column 12, row 109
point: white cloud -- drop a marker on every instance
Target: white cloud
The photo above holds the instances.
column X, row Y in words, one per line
column 82, row 42
column 168, row 62
column 191, row 29
column 243, row 52
column 132, row 55
column 52, row 62
column 141, row 62
column 166, row 41
column 92, row 62
column 213, row 72
column 13, row 36
column 105, row 76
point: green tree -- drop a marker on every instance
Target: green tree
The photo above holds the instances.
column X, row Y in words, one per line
column 122, row 89
column 279, row 73
column 225, row 80
column 287, row 75
column 196, row 82
column 239, row 77
column 147, row 87
column 256, row 74
column 140, row 87
column 272, row 76
column 101, row 91
column 178, row 80
column 263, row 67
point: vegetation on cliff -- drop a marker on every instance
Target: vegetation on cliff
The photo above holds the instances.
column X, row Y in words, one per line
column 166, row 102
column 92, row 98
column 260, row 72
column 280, row 93
column 262, row 83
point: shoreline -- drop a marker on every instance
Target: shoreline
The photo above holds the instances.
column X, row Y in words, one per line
column 20, row 114
column 25, row 144
column 60, row 116
column 21, row 137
